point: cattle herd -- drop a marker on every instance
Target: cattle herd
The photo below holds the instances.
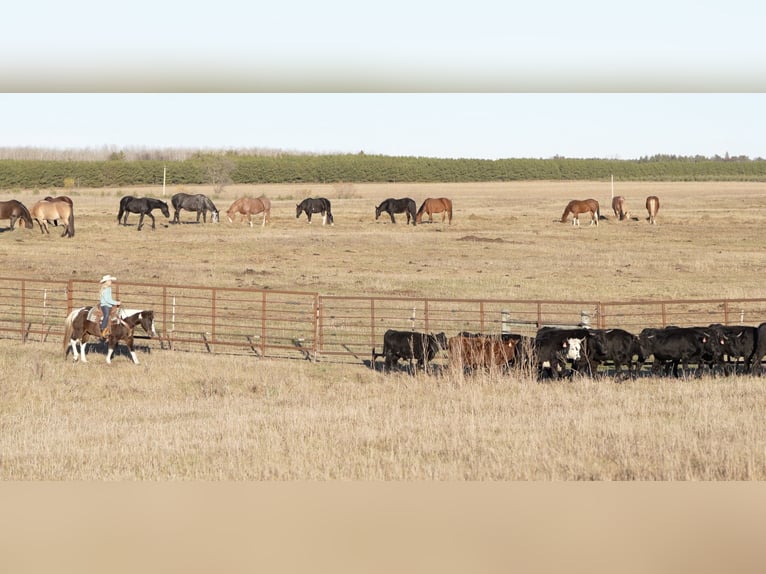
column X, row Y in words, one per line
column 555, row 352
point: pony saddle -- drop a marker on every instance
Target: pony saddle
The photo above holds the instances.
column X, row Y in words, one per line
column 96, row 314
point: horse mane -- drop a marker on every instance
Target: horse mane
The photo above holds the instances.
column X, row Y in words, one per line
column 26, row 216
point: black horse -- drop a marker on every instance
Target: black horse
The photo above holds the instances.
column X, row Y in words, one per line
column 199, row 202
column 143, row 206
column 315, row 205
column 403, row 205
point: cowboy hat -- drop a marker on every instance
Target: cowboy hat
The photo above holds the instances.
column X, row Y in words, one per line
column 106, row 278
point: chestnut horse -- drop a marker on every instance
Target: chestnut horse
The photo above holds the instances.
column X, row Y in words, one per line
column 578, row 206
column 248, row 206
column 78, row 327
column 54, row 210
column 652, row 206
column 15, row 210
column 435, row 205
column 620, row 208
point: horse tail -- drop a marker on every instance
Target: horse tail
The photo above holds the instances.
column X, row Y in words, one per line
column 122, row 210
column 70, row 226
column 68, row 328
column 449, row 209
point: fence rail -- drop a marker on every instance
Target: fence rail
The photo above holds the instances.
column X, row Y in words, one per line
column 308, row 325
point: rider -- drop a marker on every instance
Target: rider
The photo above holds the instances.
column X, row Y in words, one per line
column 105, row 301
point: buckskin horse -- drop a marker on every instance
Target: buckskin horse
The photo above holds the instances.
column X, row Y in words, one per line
column 433, row 205
column 312, row 205
column 391, row 206
column 620, row 208
column 652, row 206
column 143, row 206
column 249, row 206
column 578, row 206
column 15, row 210
column 199, row 202
column 54, row 210
column 80, row 325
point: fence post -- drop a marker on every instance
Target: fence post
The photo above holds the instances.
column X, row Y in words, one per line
column 505, row 321
column 263, row 323
column 23, row 310
column 481, row 316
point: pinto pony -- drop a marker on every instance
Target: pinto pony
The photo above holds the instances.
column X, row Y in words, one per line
column 391, row 206
column 54, row 210
column 652, row 206
column 620, row 208
column 249, row 206
column 78, row 328
column 578, row 206
column 435, row 205
column 15, row 210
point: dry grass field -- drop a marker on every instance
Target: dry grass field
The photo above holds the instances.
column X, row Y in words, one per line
column 196, row 416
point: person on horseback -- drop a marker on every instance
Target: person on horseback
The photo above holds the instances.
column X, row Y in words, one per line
column 106, row 302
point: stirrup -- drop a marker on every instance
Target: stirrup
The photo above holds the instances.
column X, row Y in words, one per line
column 104, row 332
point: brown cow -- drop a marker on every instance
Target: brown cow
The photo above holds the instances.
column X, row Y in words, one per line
column 480, row 351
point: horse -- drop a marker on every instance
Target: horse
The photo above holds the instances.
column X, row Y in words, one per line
column 620, row 208
column 652, row 206
column 199, row 202
column 391, row 206
column 312, row 205
column 435, row 205
column 15, row 210
column 578, row 206
column 248, row 206
column 66, row 198
column 142, row 206
column 45, row 211
column 78, row 327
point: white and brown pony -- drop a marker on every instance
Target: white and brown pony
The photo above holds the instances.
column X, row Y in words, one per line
column 652, row 206
column 249, row 206
column 578, row 206
column 620, row 208
column 80, row 325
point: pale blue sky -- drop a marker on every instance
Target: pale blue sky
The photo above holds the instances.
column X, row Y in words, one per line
column 609, row 72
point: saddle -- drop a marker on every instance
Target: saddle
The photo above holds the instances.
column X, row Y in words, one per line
column 96, row 314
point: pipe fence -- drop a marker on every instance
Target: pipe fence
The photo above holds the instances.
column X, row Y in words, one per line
column 295, row 324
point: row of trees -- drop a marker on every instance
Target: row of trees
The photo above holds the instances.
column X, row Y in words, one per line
column 225, row 168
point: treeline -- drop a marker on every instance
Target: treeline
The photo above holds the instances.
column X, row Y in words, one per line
column 219, row 169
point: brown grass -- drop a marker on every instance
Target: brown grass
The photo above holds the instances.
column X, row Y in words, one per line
column 194, row 416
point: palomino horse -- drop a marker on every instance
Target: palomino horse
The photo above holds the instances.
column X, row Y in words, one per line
column 249, row 206
column 312, row 205
column 78, row 327
column 435, row 205
column 391, row 206
column 199, row 202
column 142, row 206
column 15, row 210
column 578, row 206
column 54, row 210
column 620, row 208
column 652, row 206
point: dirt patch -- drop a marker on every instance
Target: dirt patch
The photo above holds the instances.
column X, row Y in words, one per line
column 482, row 239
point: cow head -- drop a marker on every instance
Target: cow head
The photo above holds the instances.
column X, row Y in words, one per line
column 572, row 348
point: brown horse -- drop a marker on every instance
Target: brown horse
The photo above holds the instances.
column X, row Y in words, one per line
column 435, row 205
column 15, row 210
column 620, row 208
column 578, row 206
column 652, row 206
column 54, row 210
column 248, row 206
column 78, row 327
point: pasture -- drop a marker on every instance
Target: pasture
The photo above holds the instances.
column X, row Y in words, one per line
column 184, row 415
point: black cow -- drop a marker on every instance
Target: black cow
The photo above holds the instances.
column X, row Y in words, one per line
column 672, row 346
column 410, row 345
column 557, row 347
column 616, row 345
column 738, row 343
column 753, row 363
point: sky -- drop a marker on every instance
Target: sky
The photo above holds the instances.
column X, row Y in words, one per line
column 485, row 79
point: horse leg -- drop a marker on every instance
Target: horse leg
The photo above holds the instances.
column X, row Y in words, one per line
column 393, row 219
column 324, row 218
column 129, row 343
column 263, row 223
column 150, row 215
column 140, row 222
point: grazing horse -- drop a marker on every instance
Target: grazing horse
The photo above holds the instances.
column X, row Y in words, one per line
column 199, row 202
column 57, row 209
column 578, row 206
column 391, row 206
column 620, row 208
column 15, row 210
column 78, row 327
column 312, row 205
column 142, row 206
column 652, row 206
column 248, row 206
column 435, row 205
